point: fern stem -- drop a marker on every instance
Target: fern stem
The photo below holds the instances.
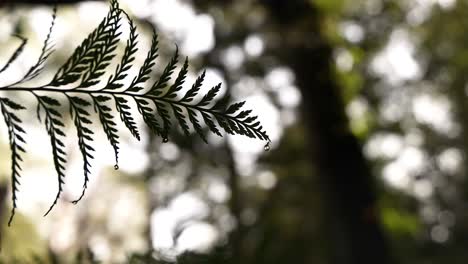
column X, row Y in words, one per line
column 134, row 95
column 111, row 93
column 114, row 93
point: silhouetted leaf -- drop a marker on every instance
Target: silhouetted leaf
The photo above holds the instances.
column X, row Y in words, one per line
column 15, row 54
column 207, row 98
column 158, row 86
column 88, row 63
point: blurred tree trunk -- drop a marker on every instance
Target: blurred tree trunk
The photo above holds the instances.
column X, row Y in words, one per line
column 354, row 218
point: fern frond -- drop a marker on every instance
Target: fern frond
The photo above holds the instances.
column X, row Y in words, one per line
column 145, row 70
column 210, row 123
column 158, row 86
column 121, row 104
column 242, row 123
column 234, row 108
column 196, row 124
column 149, row 117
column 109, row 126
column 163, row 112
column 102, row 56
column 81, row 120
column 207, row 98
column 190, row 95
column 47, row 50
column 157, row 106
column 177, row 86
column 79, row 62
column 179, row 114
column 127, row 58
column 15, row 134
column 54, row 127
column 15, row 54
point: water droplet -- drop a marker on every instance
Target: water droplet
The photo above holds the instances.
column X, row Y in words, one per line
column 116, row 167
column 267, row 146
column 165, row 140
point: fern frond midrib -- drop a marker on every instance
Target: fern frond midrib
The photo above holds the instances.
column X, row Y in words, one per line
column 216, row 114
column 112, row 93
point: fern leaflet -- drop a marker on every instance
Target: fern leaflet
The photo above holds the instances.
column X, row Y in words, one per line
column 81, row 120
column 15, row 132
column 15, row 54
column 54, row 127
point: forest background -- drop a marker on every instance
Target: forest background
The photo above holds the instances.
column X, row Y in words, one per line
column 365, row 104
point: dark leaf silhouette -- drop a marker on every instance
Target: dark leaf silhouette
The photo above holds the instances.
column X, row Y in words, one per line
column 157, row 105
